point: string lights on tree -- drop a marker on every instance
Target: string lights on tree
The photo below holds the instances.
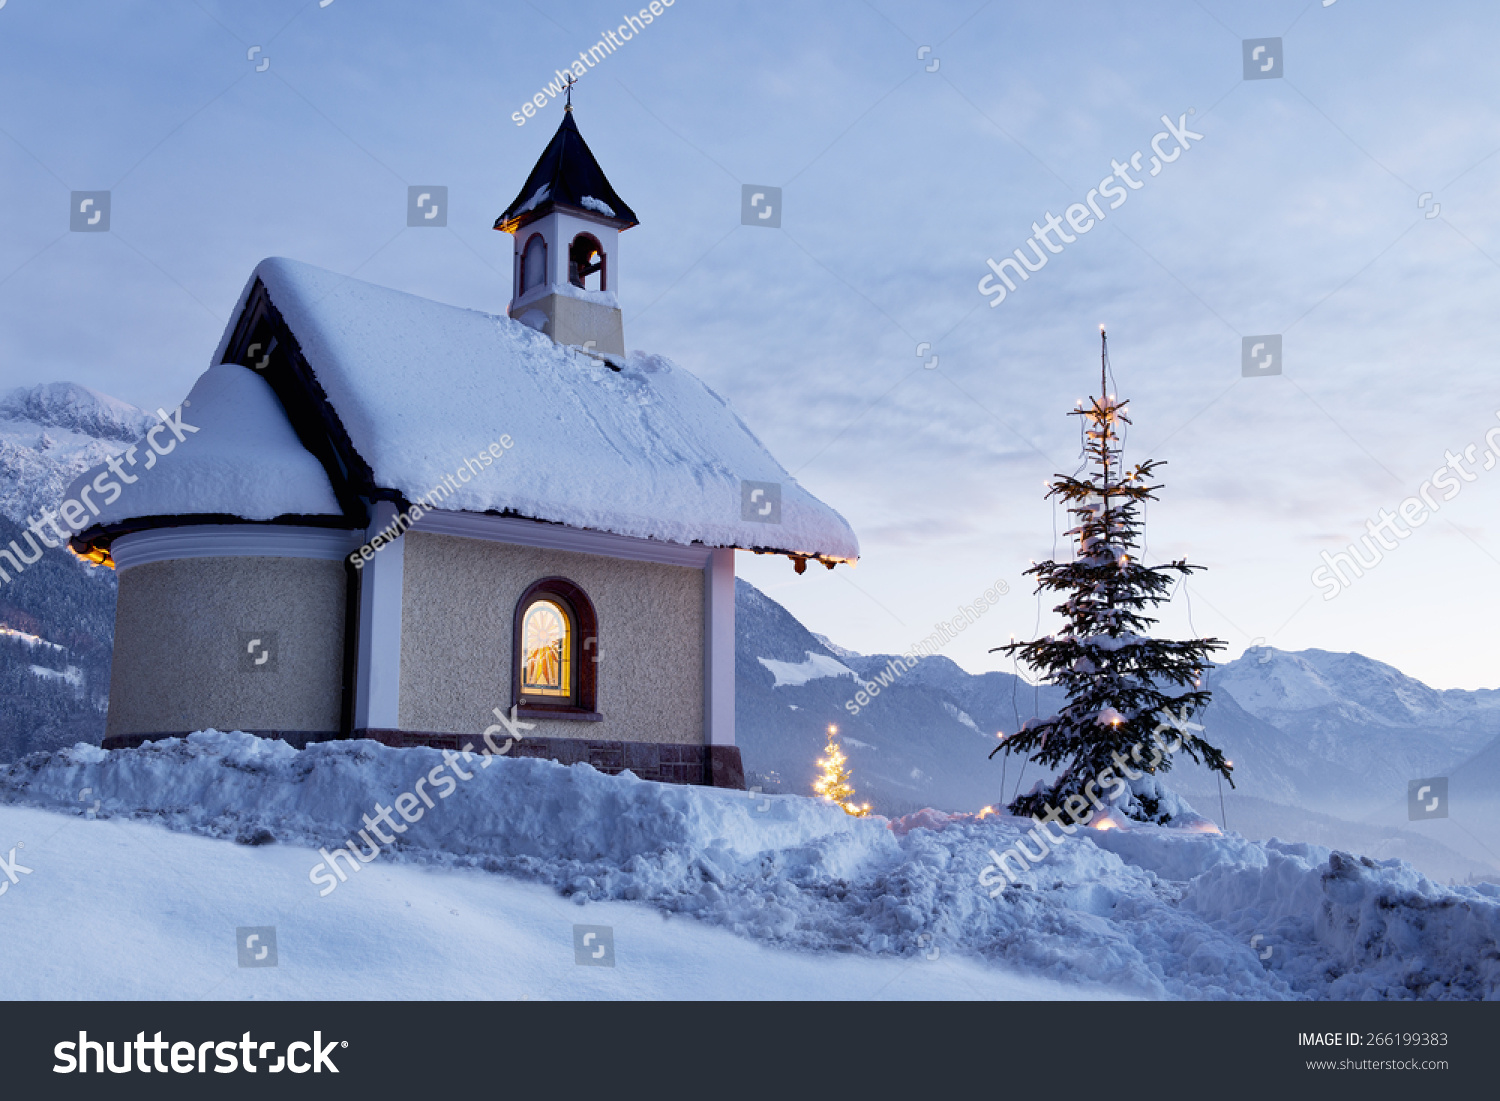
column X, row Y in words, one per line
column 1121, row 684
column 833, row 784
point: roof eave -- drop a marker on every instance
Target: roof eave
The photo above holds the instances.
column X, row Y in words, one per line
column 94, row 544
column 800, row 561
column 510, row 223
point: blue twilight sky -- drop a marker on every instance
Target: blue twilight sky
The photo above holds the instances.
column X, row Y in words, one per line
column 912, row 142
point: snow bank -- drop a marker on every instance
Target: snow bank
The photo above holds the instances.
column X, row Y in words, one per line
column 394, row 932
column 1386, row 930
column 1150, row 910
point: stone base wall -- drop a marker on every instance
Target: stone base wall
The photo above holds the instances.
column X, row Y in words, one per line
column 717, row 766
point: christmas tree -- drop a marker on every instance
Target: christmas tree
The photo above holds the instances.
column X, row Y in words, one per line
column 1131, row 698
column 834, row 784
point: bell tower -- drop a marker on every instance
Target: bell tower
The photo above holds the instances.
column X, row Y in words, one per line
column 566, row 223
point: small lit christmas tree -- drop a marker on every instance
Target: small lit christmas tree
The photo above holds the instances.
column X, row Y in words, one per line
column 834, row 784
column 1119, row 682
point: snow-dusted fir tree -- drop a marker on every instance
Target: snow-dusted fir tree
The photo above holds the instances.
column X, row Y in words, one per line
column 1122, row 685
column 834, row 784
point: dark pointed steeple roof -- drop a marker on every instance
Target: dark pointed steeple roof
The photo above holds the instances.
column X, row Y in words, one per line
column 571, row 176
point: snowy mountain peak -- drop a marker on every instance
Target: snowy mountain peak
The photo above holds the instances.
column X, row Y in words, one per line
column 76, row 409
column 50, row 434
column 1273, row 683
column 835, row 649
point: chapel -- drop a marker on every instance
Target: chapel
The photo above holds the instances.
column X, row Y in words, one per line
column 396, row 519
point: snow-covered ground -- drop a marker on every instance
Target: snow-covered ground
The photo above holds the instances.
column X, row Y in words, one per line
column 709, row 893
column 120, row 909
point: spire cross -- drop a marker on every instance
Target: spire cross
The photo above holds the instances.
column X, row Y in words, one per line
column 569, row 105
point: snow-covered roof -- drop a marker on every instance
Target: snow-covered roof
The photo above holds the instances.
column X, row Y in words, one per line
column 244, row 460
column 566, row 174
column 417, row 386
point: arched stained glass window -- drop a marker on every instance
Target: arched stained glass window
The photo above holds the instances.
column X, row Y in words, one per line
column 556, row 664
column 547, row 651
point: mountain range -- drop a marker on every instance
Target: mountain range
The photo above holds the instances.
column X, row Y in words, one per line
column 1325, row 745
column 57, row 615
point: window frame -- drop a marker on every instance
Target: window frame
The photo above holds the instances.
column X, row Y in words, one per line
column 525, row 269
column 583, row 653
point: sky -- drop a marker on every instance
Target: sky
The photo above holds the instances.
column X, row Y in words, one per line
column 1342, row 202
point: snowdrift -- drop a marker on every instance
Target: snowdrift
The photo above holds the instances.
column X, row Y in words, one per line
column 1154, row 911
